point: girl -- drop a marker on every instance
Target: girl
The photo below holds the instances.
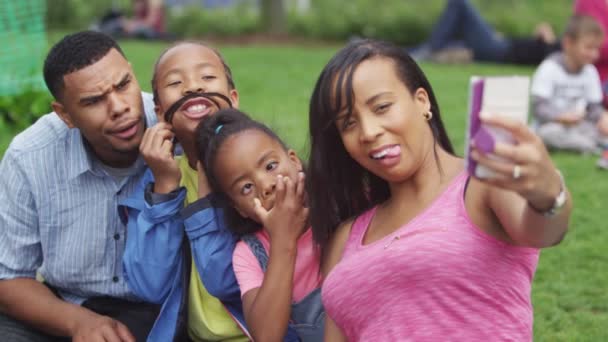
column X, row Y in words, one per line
column 416, row 249
column 276, row 264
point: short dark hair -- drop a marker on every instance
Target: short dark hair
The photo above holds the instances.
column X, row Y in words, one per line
column 227, row 70
column 75, row 52
column 580, row 25
column 210, row 134
column 338, row 187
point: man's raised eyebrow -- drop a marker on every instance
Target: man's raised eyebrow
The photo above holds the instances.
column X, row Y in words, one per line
column 375, row 97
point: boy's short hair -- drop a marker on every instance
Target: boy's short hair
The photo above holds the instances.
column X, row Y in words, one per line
column 227, row 70
column 582, row 25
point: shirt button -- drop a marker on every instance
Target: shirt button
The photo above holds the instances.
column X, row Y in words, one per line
column 116, row 236
column 115, row 279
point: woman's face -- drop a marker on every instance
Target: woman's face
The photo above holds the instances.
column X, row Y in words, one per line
column 387, row 132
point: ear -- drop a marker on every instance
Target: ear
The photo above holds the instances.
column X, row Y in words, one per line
column 234, row 96
column 62, row 113
column 421, row 98
column 293, row 157
column 159, row 113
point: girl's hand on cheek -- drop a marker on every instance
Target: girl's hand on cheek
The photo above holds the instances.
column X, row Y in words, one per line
column 287, row 219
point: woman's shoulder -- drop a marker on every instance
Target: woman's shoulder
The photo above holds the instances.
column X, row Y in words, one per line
column 336, row 245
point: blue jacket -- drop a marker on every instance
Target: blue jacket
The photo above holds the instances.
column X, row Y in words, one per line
column 156, row 261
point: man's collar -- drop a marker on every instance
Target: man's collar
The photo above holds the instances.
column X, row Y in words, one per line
column 79, row 158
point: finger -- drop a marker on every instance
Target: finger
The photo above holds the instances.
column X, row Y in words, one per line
column 300, row 187
column 109, row 334
column 290, row 189
column 498, row 166
column 280, row 190
column 166, row 149
column 160, row 136
column 520, row 131
column 259, row 210
column 123, row 333
column 510, row 152
column 145, row 140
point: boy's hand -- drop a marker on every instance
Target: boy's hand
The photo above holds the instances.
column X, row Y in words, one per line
column 157, row 150
column 570, row 119
column 203, row 183
column 287, row 219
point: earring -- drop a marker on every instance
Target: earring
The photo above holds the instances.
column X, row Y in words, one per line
column 428, row 115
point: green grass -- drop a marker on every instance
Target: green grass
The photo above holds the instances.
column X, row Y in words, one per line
column 570, row 291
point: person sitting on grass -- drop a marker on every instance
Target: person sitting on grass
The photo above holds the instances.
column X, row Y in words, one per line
column 277, row 261
column 567, row 93
column 62, row 179
column 179, row 251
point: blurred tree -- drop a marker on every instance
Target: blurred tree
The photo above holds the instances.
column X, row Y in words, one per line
column 274, row 19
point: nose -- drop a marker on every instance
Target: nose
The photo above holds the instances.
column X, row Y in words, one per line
column 268, row 185
column 369, row 129
column 193, row 85
column 118, row 105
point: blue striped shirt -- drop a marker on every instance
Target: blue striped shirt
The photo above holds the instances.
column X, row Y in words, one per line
column 59, row 212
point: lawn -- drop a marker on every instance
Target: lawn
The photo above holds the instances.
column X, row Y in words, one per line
column 570, row 290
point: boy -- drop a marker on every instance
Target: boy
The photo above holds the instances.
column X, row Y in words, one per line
column 190, row 81
column 567, row 94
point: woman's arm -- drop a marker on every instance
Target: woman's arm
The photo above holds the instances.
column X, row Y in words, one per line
column 525, row 189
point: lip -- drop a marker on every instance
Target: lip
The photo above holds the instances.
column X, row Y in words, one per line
column 127, row 130
column 196, row 115
column 381, row 148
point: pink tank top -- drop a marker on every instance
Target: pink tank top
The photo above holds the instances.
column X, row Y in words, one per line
column 437, row 278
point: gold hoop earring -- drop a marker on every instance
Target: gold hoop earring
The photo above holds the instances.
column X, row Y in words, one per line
column 428, row 115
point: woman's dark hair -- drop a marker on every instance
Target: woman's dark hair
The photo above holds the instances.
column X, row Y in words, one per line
column 338, row 187
column 211, row 134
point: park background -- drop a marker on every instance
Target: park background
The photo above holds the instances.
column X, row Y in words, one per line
column 277, row 48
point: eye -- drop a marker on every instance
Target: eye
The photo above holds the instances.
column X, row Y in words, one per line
column 123, row 85
column 271, row 166
column 247, row 189
column 382, row 108
column 174, row 83
column 208, row 77
column 347, row 124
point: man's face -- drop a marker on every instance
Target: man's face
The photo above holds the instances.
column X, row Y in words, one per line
column 191, row 68
column 104, row 101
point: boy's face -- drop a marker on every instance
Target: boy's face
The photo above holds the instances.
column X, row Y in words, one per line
column 191, row 68
column 584, row 49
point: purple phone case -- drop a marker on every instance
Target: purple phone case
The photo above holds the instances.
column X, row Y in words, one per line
column 484, row 141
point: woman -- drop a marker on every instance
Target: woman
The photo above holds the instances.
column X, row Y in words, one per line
column 414, row 247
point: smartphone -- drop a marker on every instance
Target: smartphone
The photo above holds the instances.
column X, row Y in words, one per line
column 506, row 96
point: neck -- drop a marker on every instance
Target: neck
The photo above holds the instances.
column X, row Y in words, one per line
column 113, row 158
column 190, row 151
column 571, row 65
column 427, row 180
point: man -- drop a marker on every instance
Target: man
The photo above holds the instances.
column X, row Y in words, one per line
column 62, row 180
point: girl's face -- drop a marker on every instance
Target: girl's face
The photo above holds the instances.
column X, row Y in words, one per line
column 247, row 165
column 387, row 132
